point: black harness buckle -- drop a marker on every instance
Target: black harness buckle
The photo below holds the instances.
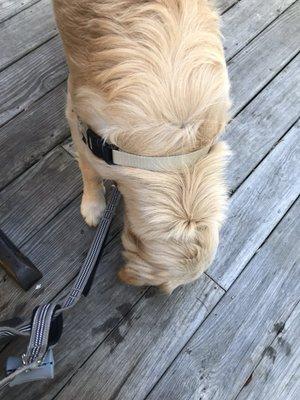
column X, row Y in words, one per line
column 99, row 147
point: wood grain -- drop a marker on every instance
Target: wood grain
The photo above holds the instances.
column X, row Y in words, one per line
column 30, row 78
column 223, row 5
column 38, row 195
column 239, row 28
column 256, row 207
column 26, row 31
column 277, row 376
column 108, row 310
column 25, row 139
column 220, row 357
column 9, row 8
column 256, row 129
column 255, row 66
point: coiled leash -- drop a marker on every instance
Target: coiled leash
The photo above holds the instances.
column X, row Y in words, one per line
column 46, row 326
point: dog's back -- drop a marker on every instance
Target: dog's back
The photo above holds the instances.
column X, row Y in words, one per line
column 158, row 66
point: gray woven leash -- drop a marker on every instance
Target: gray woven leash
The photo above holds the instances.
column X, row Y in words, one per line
column 40, row 327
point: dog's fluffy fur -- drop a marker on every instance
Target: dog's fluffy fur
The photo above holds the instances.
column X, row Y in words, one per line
column 150, row 76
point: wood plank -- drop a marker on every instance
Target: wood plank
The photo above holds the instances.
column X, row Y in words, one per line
column 256, row 65
column 257, row 128
column 277, row 375
column 220, row 357
column 151, row 353
column 8, row 8
column 256, row 207
column 224, row 5
column 30, row 78
column 54, row 181
column 68, row 145
column 26, row 31
column 25, row 139
column 239, row 29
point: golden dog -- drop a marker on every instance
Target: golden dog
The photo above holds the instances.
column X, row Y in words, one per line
column 149, row 76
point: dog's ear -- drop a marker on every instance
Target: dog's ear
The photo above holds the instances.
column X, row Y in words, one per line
column 131, row 277
column 125, row 276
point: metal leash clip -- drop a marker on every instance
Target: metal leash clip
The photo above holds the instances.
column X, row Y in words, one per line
column 44, row 370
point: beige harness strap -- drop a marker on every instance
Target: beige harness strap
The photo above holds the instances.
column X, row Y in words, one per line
column 158, row 163
column 113, row 156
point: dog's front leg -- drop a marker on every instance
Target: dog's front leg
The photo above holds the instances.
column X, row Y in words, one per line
column 93, row 199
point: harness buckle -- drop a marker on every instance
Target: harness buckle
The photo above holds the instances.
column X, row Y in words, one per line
column 45, row 369
column 98, row 146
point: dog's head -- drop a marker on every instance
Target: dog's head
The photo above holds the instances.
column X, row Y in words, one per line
column 172, row 221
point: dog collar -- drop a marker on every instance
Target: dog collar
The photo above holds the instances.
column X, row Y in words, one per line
column 113, row 156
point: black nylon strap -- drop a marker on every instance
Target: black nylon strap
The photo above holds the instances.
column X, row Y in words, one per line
column 98, row 146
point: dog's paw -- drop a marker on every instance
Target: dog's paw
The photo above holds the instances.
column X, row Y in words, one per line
column 92, row 209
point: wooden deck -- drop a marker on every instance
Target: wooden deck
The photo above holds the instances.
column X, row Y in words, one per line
column 232, row 335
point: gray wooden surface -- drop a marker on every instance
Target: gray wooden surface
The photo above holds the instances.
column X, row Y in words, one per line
column 234, row 334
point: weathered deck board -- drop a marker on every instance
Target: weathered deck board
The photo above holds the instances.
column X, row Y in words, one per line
column 128, row 380
column 30, row 78
column 257, row 128
column 277, row 376
column 26, row 31
column 26, row 138
column 238, row 18
column 220, row 357
column 223, row 5
column 257, row 206
column 263, row 58
column 38, row 195
column 8, row 8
